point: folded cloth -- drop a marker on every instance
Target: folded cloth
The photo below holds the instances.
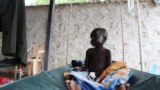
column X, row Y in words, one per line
column 115, row 66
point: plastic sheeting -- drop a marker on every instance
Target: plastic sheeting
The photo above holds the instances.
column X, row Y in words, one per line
column 144, row 81
column 53, row 80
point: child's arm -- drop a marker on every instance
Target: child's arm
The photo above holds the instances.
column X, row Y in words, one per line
column 109, row 57
column 86, row 64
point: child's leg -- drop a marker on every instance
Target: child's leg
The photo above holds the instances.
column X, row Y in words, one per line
column 121, row 87
column 127, row 86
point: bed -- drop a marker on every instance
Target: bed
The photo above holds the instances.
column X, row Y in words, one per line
column 53, row 80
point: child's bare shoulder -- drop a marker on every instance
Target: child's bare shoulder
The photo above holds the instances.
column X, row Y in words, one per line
column 90, row 50
column 107, row 50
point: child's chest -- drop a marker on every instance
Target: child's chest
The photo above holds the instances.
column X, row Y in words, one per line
column 98, row 56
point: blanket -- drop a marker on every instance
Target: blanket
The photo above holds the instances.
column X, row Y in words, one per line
column 112, row 79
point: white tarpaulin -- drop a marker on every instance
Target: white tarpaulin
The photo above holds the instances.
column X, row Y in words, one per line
column 157, row 2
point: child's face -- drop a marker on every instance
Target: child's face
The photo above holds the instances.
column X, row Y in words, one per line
column 97, row 40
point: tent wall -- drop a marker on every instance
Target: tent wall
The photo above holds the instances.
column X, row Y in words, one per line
column 36, row 21
column 81, row 19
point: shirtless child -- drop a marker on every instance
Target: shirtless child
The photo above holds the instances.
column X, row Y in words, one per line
column 98, row 58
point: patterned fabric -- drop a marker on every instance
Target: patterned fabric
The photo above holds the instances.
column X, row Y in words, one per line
column 116, row 77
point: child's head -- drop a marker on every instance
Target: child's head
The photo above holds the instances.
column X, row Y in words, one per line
column 98, row 36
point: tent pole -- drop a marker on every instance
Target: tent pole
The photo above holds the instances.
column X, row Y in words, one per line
column 49, row 23
column 140, row 36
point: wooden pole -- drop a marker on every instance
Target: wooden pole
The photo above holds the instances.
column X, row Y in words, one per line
column 51, row 9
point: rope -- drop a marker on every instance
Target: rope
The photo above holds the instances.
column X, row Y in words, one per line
column 139, row 34
column 122, row 30
column 68, row 35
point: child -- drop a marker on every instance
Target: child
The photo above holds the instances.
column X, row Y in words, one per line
column 98, row 58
